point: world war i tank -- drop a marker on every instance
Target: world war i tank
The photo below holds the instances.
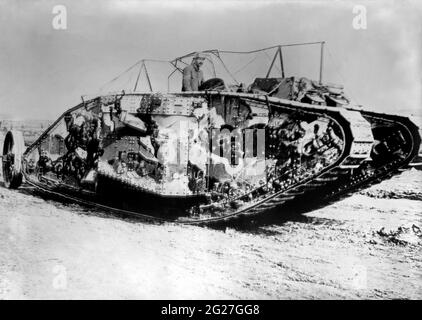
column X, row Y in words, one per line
column 225, row 151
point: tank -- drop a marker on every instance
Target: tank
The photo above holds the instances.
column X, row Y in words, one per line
column 219, row 154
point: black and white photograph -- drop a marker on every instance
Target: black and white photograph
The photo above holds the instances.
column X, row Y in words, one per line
column 210, row 150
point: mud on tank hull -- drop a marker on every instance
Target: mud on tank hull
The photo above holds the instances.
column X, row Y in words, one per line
column 215, row 156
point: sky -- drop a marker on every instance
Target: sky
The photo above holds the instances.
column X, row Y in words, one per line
column 44, row 71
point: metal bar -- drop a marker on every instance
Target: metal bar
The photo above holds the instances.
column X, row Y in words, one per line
column 168, row 79
column 321, row 65
column 213, row 68
column 192, row 53
column 281, row 61
column 228, row 71
column 212, row 62
column 268, row 48
column 174, row 64
column 117, row 77
column 272, row 63
column 247, row 52
column 148, row 79
column 176, row 68
column 139, row 74
column 185, row 63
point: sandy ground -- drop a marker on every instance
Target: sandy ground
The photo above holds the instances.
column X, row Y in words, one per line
column 49, row 250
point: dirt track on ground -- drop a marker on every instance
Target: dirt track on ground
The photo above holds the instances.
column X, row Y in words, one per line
column 51, row 250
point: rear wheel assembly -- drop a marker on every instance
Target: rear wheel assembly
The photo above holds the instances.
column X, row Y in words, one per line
column 13, row 149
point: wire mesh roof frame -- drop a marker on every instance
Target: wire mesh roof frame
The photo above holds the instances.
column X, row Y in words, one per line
column 175, row 63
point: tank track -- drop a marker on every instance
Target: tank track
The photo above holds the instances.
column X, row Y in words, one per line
column 353, row 170
column 370, row 172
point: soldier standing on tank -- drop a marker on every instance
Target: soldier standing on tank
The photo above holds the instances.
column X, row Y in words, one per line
column 192, row 74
